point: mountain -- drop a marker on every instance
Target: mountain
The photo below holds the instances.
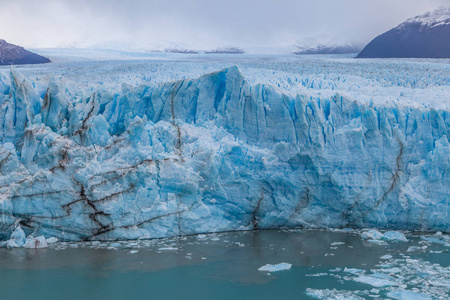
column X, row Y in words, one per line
column 424, row 36
column 226, row 50
column 180, row 51
column 328, row 49
column 15, row 55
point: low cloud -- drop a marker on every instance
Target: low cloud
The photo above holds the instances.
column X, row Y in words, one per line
column 200, row 24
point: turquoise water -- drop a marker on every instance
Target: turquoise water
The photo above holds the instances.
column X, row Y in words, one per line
column 220, row 266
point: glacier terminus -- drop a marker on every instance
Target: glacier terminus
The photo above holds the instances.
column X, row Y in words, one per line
column 211, row 154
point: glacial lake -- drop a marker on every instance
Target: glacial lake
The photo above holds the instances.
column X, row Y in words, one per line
column 325, row 265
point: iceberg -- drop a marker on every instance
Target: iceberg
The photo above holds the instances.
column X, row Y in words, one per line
column 212, row 154
column 275, row 268
column 375, row 235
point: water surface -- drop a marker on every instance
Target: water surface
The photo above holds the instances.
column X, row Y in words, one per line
column 225, row 266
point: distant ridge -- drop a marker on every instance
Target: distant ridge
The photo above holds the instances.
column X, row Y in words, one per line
column 180, row 51
column 328, row 49
column 15, row 55
column 424, row 36
column 226, row 50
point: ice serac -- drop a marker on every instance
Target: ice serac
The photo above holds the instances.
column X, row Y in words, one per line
column 215, row 154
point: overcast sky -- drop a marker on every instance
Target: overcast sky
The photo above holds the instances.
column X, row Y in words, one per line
column 200, row 24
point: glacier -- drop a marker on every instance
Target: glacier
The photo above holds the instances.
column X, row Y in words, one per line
column 211, row 154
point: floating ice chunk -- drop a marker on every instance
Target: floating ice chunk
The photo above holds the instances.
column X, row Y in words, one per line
column 387, row 256
column 133, row 251
column 17, row 238
column 36, row 243
column 407, row 295
column 337, row 243
column 416, row 248
column 353, row 271
column 332, row 294
column 371, row 234
column 435, row 240
column 394, row 236
column 52, row 240
column 391, row 270
column 376, row 280
column 374, row 235
column 441, row 283
column 275, row 268
column 317, row 275
column 168, row 249
column 10, row 244
column 379, row 242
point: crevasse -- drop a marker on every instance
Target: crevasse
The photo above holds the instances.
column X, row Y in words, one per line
column 214, row 154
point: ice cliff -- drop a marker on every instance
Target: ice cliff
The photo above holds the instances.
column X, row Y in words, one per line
column 214, row 154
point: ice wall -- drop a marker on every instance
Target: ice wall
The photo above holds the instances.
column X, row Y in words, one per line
column 214, row 154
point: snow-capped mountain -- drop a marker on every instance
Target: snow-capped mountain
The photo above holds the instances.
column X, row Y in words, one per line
column 15, row 55
column 424, row 36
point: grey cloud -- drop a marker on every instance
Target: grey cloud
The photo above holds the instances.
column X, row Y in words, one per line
column 200, row 23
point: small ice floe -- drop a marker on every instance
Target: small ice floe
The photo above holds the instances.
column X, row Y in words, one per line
column 332, row 294
column 275, row 268
column 378, row 242
column 336, row 270
column 377, row 280
column 36, row 243
column 115, row 245
column 394, row 270
column 133, row 251
column 18, row 239
column 353, row 271
column 407, row 295
column 435, row 240
column 52, row 240
column 392, row 236
column 371, row 234
column 167, row 249
column 387, row 256
column 441, row 283
column 316, row 275
column 337, row 243
column 416, row 248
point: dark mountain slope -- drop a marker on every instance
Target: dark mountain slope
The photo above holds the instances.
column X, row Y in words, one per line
column 424, row 36
column 15, row 55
